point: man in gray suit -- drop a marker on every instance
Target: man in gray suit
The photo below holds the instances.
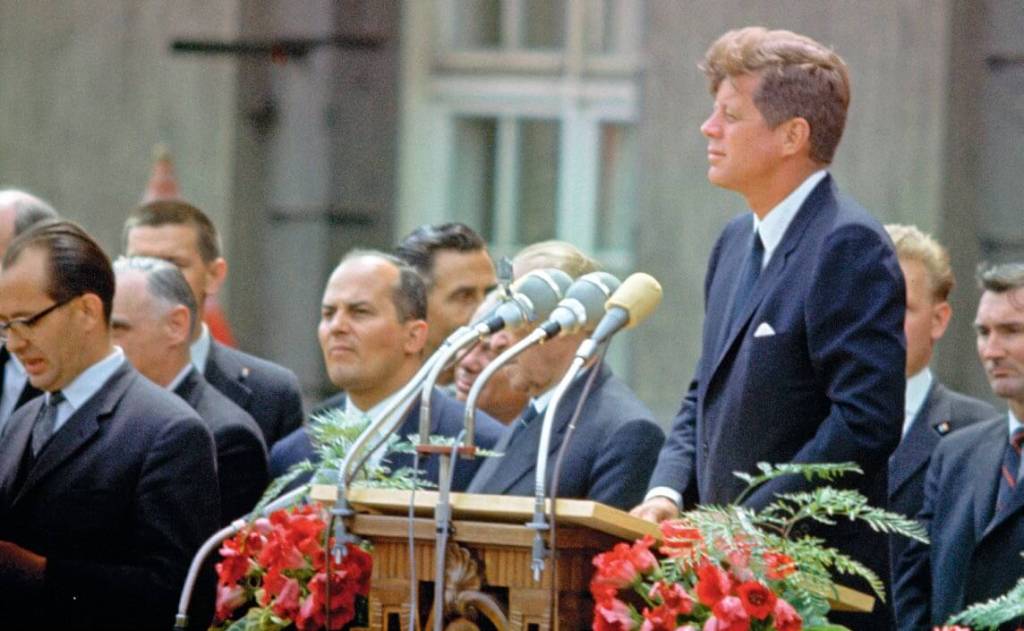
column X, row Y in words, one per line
column 153, row 318
column 932, row 410
column 107, row 482
column 19, row 211
column 616, row 443
column 184, row 235
column 974, row 488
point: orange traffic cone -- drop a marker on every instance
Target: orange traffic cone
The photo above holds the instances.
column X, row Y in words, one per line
column 163, row 184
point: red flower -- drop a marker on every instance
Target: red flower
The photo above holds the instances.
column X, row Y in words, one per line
column 229, row 598
column 286, row 604
column 785, row 617
column 951, row 628
column 673, row 596
column 713, row 583
column 359, row 565
column 613, row 617
column 778, row 566
column 729, row 615
column 235, row 563
column 757, row 599
column 661, row 618
column 623, row 565
column 604, row 593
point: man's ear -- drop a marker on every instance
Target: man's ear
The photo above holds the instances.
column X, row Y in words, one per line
column 941, row 314
column 90, row 306
column 796, row 136
column 216, row 273
column 178, row 323
column 415, row 336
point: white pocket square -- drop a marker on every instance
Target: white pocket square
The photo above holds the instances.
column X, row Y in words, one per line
column 764, row 330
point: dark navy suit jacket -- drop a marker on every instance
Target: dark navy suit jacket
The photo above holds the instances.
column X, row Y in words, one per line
column 974, row 554
column 446, row 420
column 118, row 501
column 943, row 412
column 610, row 457
column 825, row 384
column 268, row 392
column 241, row 454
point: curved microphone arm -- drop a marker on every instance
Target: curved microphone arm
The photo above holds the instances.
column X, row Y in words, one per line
column 458, row 340
column 538, row 335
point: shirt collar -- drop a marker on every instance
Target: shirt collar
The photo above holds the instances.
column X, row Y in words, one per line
column 1015, row 423
column 773, row 227
column 376, row 409
column 16, row 363
column 917, row 391
column 86, row 384
column 200, row 349
column 189, row 367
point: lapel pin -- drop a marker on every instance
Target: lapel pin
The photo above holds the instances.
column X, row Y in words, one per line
column 942, row 428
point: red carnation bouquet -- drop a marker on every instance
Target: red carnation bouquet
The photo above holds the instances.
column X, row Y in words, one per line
column 729, row 568
column 274, row 574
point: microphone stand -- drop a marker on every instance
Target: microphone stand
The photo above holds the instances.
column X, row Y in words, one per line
column 537, row 335
column 539, row 524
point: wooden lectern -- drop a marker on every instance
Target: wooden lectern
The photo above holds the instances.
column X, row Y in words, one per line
column 489, row 585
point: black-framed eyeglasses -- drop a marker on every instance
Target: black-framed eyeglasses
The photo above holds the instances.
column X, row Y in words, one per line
column 22, row 327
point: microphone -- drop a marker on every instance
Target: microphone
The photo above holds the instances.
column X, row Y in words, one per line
column 534, row 296
column 630, row 305
column 583, row 304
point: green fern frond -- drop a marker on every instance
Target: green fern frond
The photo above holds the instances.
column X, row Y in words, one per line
column 992, row 613
column 275, row 487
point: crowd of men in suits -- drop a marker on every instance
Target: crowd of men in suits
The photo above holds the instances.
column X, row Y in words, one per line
column 128, row 435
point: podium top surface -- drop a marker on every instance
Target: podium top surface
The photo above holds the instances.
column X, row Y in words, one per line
column 505, row 509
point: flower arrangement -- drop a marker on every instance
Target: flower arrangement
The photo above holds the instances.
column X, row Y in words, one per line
column 734, row 569
column 278, row 572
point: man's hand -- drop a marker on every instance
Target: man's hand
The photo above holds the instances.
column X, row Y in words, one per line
column 19, row 568
column 656, row 509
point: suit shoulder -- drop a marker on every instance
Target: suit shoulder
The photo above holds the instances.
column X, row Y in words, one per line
column 964, row 440
column 968, row 409
column 222, row 414
column 451, row 413
column 255, row 368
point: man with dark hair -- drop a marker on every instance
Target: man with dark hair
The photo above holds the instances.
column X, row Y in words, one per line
column 19, row 211
column 803, row 354
column 932, row 409
column 107, row 482
column 458, row 272
column 614, row 448
column 974, row 489
column 153, row 318
column 184, row 235
column 372, row 333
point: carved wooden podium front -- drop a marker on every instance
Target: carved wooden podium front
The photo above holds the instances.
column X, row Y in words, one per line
column 489, row 584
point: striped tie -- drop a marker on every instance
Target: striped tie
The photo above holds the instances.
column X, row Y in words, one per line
column 1008, row 474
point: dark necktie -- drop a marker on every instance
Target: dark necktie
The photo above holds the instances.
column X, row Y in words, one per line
column 747, row 280
column 46, row 422
column 1008, row 479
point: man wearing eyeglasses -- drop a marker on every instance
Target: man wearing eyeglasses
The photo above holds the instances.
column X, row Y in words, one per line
column 107, row 482
column 19, row 211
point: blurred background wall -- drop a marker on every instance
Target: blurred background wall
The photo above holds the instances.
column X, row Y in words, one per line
column 305, row 128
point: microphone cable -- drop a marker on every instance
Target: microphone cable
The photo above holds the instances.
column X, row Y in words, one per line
column 563, row 449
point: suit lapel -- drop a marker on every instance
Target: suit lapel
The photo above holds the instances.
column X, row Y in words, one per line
column 986, row 480
column 222, row 372
column 809, row 211
column 79, row 429
column 16, row 439
column 1016, row 504
column 520, row 459
column 916, row 447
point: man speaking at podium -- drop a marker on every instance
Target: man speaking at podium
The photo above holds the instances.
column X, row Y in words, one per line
column 803, row 352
